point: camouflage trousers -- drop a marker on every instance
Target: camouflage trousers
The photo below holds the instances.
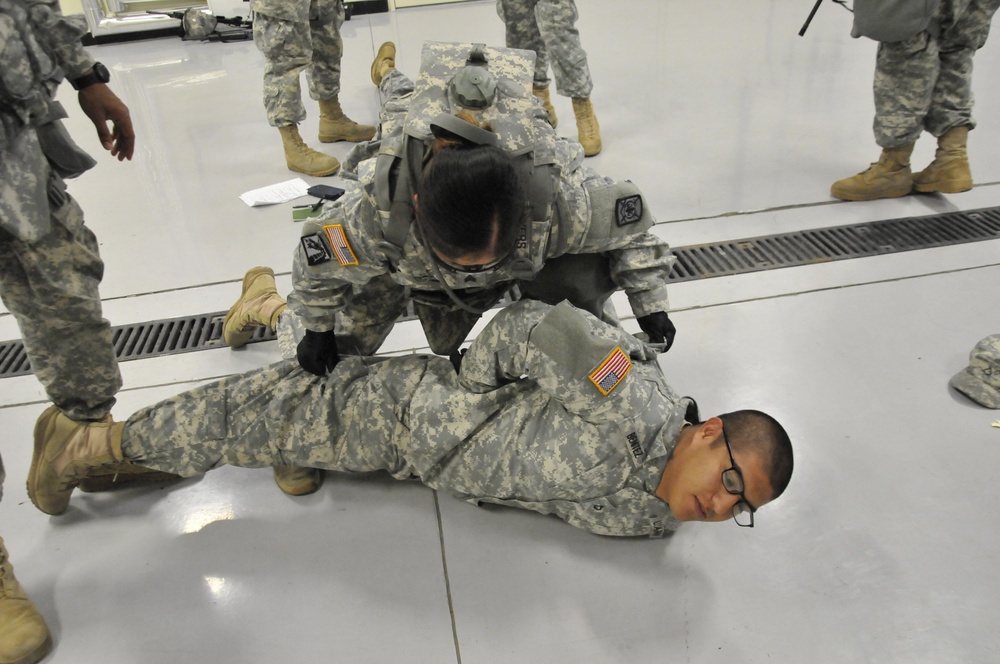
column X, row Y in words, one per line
column 396, row 89
column 548, row 27
column 281, row 415
column 51, row 288
column 312, row 44
column 925, row 82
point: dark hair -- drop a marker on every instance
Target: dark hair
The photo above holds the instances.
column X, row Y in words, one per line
column 760, row 435
column 470, row 199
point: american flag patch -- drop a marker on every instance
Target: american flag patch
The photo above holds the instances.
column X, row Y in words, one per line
column 611, row 371
column 341, row 247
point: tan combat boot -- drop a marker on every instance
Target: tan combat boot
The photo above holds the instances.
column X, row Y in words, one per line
column 335, row 126
column 385, row 60
column 66, row 451
column 949, row 172
column 24, row 637
column 586, row 126
column 301, row 158
column 889, row 177
column 123, row 475
column 298, row 480
column 543, row 94
column 259, row 305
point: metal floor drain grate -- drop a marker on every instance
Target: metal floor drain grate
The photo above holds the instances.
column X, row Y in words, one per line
column 160, row 337
column 823, row 245
column 766, row 252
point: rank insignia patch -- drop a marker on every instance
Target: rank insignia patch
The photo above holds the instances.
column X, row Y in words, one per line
column 341, row 247
column 314, row 249
column 628, row 210
column 611, row 371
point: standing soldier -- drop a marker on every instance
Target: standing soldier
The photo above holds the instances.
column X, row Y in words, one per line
column 923, row 81
column 50, row 266
column 548, row 27
column 297, row 35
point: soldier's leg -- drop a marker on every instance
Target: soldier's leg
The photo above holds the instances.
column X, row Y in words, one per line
column 950, row 116
column 287, row 48
column 51, row 287
column 276, row 415
column 905, row 75
column 556, row 21
column 522, row 31
column 325, row 20
column 952, row 99
column 323, row 73
column 24, row 636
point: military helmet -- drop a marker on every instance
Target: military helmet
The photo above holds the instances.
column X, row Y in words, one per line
column 474, row 85
column 198, row 24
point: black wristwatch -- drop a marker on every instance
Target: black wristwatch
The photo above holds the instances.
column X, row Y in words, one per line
column 99, row 74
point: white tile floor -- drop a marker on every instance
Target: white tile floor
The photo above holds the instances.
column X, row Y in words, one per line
column 881, row 550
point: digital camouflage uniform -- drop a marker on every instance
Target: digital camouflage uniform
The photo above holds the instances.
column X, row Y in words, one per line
column 589, row 238
column 297, row 35
column 925, row 82
column 50, row 267
column 553, row 411
column 548, row 27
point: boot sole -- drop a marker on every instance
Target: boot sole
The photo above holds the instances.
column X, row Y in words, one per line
column 41, row 426
column 316, row 174
column 340, row 138
column 36, row 655
column 952, row 187
column 240, row 339
column 853, row 198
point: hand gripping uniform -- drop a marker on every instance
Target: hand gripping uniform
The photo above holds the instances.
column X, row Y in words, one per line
column 362, row 260
column 50, row 267
column 552, row 411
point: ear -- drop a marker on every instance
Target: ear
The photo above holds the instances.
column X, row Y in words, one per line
column 710, row 430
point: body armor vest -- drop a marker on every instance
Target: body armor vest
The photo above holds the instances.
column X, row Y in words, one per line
column 493, row 84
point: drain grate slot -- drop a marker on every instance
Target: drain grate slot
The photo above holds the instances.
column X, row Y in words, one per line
column 821, row 245
column 703, row 261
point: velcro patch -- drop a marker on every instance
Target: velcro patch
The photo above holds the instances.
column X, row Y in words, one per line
column 628, row 210
column 611, row 371
column 314, row 249
column 341, row 247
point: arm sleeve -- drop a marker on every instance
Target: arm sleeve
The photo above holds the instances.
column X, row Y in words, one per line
column 561, row 348
column 595, row 214
column 62, row 35
column 335, row 252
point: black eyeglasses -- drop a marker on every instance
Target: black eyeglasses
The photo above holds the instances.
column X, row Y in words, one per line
column 732, row 480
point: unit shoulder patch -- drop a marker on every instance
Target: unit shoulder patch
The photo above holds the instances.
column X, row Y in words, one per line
column 628, row 210
column 314, row 249
column 342, row 250
column 610, row 373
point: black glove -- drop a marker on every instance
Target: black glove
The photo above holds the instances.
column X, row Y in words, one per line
column 658, row 327
column 317, row 352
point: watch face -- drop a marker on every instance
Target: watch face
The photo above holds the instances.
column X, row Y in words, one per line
column 101, row 72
